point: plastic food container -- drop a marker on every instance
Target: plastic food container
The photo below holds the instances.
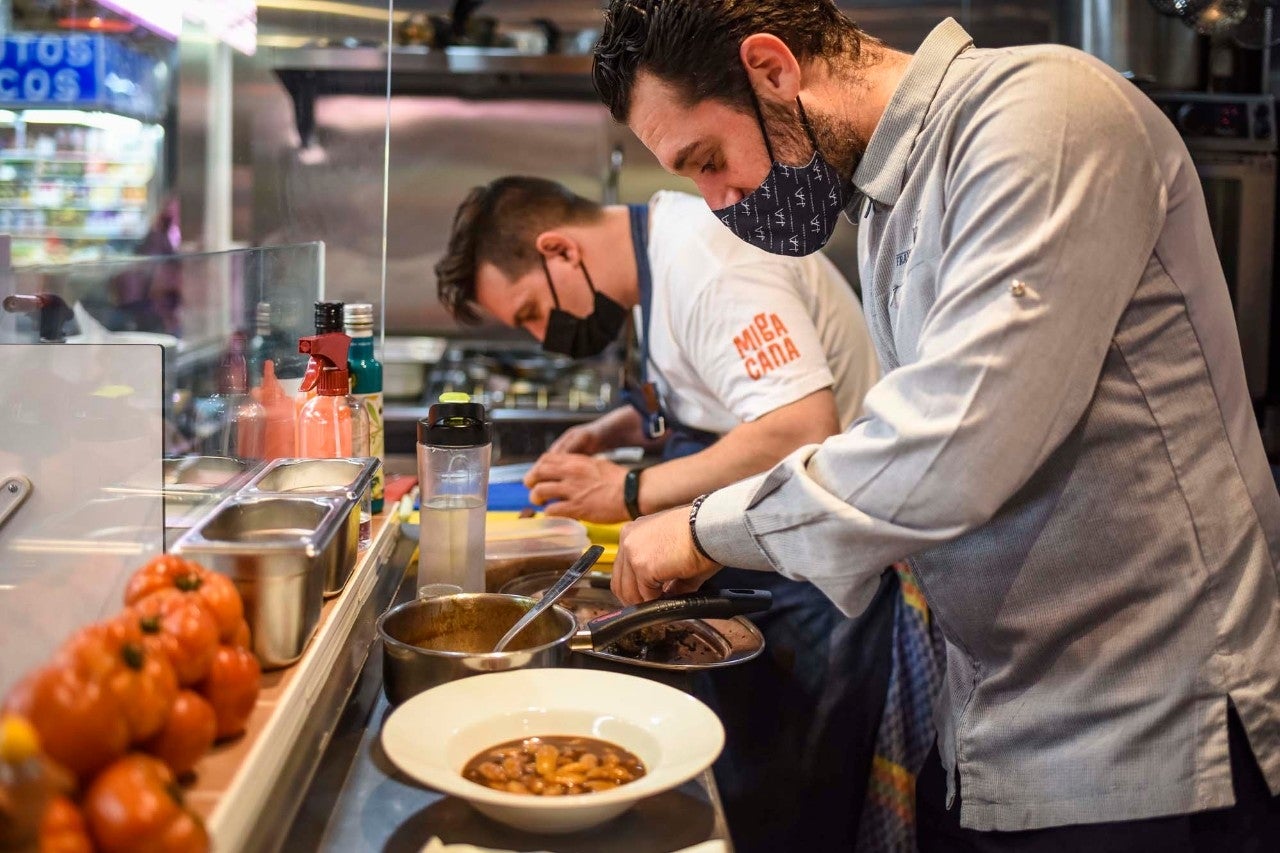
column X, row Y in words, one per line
column 515, row 547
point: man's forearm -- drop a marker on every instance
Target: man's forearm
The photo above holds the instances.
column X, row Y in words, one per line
column 743, row 451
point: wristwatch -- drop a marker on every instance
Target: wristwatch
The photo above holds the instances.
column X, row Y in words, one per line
column 631, row 492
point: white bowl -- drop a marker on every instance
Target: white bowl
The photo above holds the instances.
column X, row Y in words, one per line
column 432, row 736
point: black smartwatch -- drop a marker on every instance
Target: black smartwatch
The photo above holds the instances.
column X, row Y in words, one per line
column 631, row 492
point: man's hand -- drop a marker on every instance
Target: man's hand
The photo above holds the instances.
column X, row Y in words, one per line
column 581, row 486
column 583, row 438
column 656, row 556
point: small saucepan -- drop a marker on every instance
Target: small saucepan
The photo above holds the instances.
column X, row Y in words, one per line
column 431, row 641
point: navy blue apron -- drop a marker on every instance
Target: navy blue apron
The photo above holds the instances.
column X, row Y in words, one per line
column 800, row 721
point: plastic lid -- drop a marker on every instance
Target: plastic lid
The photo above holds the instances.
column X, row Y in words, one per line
column 334, row 382
column 454, row 424
column 328, row 317
column 271, row 389
column 519, row 537
column 262, row 318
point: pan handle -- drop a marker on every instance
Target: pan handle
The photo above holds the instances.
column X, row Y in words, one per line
column 724, row 604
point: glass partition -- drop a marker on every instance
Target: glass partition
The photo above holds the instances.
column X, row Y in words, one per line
column 81, row 440
column 210, row 312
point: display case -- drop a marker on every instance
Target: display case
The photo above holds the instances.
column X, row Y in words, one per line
column 81, row 147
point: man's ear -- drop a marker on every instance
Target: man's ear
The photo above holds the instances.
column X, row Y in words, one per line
column 771, row 67
column 558, row 245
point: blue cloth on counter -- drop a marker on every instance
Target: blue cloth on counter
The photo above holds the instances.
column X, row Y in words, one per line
column 508, row 497
column 502, row 497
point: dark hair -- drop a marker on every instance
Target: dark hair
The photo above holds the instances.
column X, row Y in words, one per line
column 693, row 44
column 499, row 224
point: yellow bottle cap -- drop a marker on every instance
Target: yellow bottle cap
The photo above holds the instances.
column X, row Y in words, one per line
column 455, row 397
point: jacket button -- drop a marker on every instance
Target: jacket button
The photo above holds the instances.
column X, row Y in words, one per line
column 1018, row 288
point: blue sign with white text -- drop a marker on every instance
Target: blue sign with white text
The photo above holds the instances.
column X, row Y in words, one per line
column 50, row 69
column 77, row 71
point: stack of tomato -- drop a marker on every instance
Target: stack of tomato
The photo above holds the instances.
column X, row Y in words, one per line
column 129, row 705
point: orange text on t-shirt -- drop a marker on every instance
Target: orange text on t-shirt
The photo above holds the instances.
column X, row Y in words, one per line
column 765, row 345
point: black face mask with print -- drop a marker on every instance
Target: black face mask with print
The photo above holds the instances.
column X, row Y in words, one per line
column 582, row 337
column 795, row 210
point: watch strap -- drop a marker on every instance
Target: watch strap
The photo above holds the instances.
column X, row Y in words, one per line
column 631, row 492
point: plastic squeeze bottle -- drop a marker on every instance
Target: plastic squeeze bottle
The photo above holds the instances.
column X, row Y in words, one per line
column 333, row 424
column 328, row 321
column 366, row 384
column 280, row 437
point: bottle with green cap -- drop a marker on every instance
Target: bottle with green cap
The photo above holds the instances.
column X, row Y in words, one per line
column 453, row 475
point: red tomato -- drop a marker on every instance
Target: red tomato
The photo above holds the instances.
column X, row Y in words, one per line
column 217, row 592
column 78, row 719
column 182, row 628
column 113, row 654
column 232, row 688
column 187, row 735
column 62, row 829
column 135, row 806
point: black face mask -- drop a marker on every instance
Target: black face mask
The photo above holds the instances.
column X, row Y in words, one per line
column 582, row 337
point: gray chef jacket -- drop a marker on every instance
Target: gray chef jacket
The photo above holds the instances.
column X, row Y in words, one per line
column 1062, row 443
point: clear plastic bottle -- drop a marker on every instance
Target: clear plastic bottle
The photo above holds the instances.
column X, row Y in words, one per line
column 453, row 473
column 333, row 424
column 239, row 421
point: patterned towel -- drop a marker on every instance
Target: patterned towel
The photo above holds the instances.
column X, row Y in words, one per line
column 906, row 726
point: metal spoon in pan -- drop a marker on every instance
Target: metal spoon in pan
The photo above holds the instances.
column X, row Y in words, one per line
column 552, row 595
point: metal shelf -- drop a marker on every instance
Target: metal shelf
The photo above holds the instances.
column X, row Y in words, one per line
column 466, row 72
column 98, row 207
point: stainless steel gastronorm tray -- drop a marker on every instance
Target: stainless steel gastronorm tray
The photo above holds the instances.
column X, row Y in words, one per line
column 349, row 479
column 278, row 550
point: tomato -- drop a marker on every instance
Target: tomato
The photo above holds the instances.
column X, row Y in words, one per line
column 182, row 629
column 242, row 637
column 79, row 720
column 232, row 688
column 113, row 654
column 217, row 592
column 135, row 805
column 62, row 829
column 187, row 734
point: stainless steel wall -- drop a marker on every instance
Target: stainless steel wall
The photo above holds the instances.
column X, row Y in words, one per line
column 442, row 146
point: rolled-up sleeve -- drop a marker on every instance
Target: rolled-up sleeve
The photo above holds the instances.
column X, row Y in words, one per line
column 1053, row 202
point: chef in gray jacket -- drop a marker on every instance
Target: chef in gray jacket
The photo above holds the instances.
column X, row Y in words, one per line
column 1063, row 445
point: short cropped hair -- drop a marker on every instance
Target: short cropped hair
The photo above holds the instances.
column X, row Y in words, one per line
column 499, row 224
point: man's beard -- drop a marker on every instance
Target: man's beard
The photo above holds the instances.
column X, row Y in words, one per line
column 838, row 141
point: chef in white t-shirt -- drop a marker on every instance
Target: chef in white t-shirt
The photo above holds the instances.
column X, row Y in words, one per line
column 751, row 355
column 744, row 357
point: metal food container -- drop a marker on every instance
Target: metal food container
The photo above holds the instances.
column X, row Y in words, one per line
column 194, row 483
column 349, row 479
column 277, row 550
column 430, row 641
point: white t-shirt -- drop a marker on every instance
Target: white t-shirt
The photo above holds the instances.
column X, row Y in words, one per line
column 738, row 332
